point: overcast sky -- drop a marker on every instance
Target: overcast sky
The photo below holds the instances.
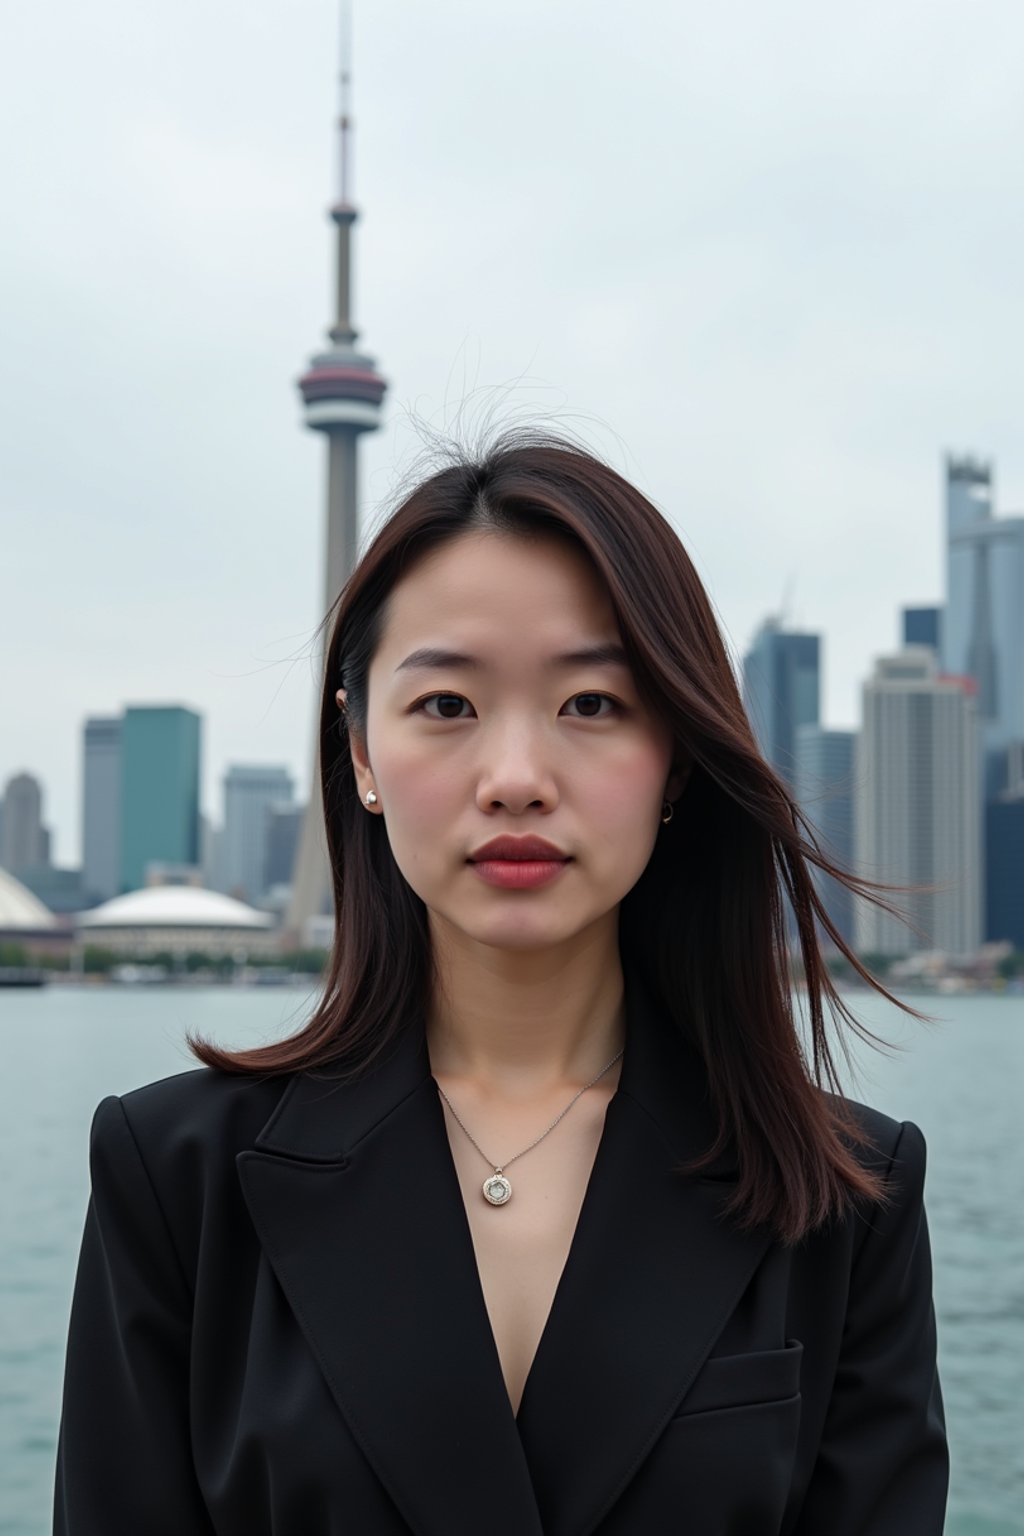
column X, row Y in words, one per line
column 765, row 256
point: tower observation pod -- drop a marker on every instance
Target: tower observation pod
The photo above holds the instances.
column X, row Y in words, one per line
column 342, row 395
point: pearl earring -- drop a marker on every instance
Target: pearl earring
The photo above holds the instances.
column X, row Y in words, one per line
column 371, row 798
column 670, row 808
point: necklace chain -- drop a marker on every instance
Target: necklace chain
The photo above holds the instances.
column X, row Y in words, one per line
column 500, row 1167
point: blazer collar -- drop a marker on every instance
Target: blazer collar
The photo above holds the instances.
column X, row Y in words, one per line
column 321, row 1120
column 353, row 1192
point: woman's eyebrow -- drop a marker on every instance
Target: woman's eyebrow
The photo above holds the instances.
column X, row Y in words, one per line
column 606, row 654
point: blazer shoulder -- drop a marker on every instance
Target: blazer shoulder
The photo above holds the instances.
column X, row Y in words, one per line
column 199, row 1113
column 896, row 1149
column 871, row 1124
column 171, row 1147
column 874, row 1133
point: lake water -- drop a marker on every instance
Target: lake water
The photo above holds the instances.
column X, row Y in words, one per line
column 961, row 1080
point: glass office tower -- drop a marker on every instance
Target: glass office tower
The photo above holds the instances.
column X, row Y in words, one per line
column 782, row 691
column 101, row 806
column 159, row 789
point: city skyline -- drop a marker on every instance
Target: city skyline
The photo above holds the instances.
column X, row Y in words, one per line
column 812, row 328
column 905, row 800
column 793, row 700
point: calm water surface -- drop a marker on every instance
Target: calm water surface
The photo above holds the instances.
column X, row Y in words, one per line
column 961, row 1080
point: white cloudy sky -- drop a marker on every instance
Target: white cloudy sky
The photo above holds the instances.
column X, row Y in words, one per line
column 765, row 254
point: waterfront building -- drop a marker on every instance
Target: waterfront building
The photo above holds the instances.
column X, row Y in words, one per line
column 782, row 691
column 342, row 394
column 1004, row 854
column 211, row 854
column 824, row 790
column 60, row 890
column 283, row 828
column 923, row 626
column 159, row 873
column 249, row 792
column 160, row 749
column 178, row 920
column 917, row 812
column 22, row 914
column 983, row 623
column 1004, row 871
column 101, row 806
column 26, row 842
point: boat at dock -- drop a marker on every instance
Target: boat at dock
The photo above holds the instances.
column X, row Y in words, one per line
column 22, row 976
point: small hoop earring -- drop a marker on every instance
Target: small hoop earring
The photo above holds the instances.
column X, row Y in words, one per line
column 667, row 806
column 371, row 798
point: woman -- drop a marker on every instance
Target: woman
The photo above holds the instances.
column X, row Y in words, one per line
column 543, row 1223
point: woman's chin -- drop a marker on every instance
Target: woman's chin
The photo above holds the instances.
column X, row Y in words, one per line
column 517, row 932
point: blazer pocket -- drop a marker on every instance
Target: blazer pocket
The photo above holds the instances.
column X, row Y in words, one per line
column 740, row 1381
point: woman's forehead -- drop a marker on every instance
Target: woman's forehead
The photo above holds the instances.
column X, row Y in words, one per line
column 489, row 582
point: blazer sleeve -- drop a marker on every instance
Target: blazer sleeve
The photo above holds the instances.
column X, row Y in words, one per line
column 882, row 1467
column 123, row 1460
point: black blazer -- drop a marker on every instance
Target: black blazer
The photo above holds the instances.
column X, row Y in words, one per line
column 278, row 1330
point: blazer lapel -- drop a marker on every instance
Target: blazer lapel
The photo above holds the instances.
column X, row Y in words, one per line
column 651, row 1278
column 353, row 1192
column 354, row 1195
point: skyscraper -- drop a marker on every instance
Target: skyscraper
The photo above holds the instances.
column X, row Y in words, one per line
column 824, row 789
column 26, row 842
column 1004, row 855
column 983, row 623
column 283, row 829
column 782, row 691
column 917, row 813
column 160, row 747
column 101, row 807
column 249, row 792
column 342, row 393
column 211, row 854
column 923, row 626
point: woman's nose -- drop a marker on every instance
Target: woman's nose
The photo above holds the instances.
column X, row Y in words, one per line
column 516, row 770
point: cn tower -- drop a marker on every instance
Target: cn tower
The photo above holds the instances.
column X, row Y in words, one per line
column 342, row 393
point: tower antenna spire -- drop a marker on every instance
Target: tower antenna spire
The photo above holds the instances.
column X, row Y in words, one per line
column 345, row 106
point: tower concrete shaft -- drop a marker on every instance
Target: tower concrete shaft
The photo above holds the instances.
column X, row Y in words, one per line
column 342, row 395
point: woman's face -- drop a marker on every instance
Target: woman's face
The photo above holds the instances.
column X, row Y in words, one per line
column 517, row 741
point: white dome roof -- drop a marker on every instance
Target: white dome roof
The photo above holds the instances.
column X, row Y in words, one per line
column 19, row 908
column 174, row 906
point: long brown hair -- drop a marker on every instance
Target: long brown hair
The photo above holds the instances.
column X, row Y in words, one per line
column 705, row 923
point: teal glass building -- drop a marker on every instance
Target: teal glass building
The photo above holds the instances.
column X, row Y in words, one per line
column 782, row 691
column 159, row 789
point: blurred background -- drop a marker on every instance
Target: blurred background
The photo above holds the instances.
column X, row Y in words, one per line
column 764, row 258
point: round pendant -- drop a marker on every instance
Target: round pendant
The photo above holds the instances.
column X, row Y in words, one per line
column 497, row 1189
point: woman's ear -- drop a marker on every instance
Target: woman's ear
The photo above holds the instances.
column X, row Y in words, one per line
column 677, row 779
column 356, row 747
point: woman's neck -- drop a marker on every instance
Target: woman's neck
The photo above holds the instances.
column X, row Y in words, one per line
column 525, row 1023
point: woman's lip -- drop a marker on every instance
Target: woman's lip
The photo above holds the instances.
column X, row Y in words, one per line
column 518, row 874
column 535, row 853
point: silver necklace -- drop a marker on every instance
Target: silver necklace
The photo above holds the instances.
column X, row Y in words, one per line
column 497, row 1189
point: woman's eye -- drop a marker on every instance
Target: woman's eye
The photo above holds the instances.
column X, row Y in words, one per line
column 591, row 699
column 439, row 699
column 449, row 705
